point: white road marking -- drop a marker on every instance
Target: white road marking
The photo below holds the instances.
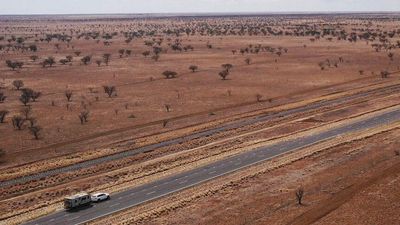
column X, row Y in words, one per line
column 120, row 198
column 51, row 220
column 114, row 205
column 132, row 194
column 182, row 182
column 151, row 193
column 212, row 172
column 74, row 218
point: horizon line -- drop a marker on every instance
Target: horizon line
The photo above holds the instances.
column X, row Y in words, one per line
column 208, row 13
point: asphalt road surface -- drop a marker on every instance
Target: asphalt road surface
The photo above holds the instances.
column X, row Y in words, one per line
column 226, row 127
column 165, row 186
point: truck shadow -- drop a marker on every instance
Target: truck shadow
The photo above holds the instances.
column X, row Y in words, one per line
column 81, row 208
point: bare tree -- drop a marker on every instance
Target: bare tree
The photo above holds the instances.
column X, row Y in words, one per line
column 155, row 57
column 167, row 107
column 83, row 116
column 390, row 55
column 146, row 53
column 2, row 97
column 35, row 131
column 227, row 66
column 299, row 195
column 106, row 58
column 165, row 122
column 68, row 95
column 247, row 61
column 26, row 111
column 110, row 90
column 384, row 74
column 18, row 122
column 223, row 74
column 258, row 97
column 3, row 114
column 98, row 62
column 18, row 84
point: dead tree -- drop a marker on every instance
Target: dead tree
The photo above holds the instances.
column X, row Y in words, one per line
column 26, row 111
column 35, row 131
column 2, row 97
column 167, row 107
column 18, row 122
column 258, row 97
column 68, row 95
column 83, row 116
column 223, row 74
column 3, row 114
column 299, row 195
column 227, row 66
column 247, row 61
column 109, row 90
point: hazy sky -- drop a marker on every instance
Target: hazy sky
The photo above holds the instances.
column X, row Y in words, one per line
column 163, row 6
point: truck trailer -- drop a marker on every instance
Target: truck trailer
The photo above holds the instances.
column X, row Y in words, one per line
column 76, row 201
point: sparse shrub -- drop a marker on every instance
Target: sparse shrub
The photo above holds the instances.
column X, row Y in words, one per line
column 106, row 58
column 223, row 74
column 35, row 131
column 110, row 90
column 83, row 117
column 18, row 122
column 227, row 66
column 18, row 84
column 86, row 60
column 258, row 97
column 384, row 74
column 169, row 74
column 193, row 68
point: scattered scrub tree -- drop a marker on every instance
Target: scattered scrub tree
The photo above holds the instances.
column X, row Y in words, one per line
column 110, row 90
column 83, row 117
column 247, row 61
column 18, row 84
column 2, row 97
column 223, row 74
column 68, row 95
column 35, row 131
column 18, row 122
column 169, row 74
column 193, row 68
column 299, row 195
column 3, row 114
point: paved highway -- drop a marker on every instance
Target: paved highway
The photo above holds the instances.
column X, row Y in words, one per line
column 233, row 125
column 165, row 186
